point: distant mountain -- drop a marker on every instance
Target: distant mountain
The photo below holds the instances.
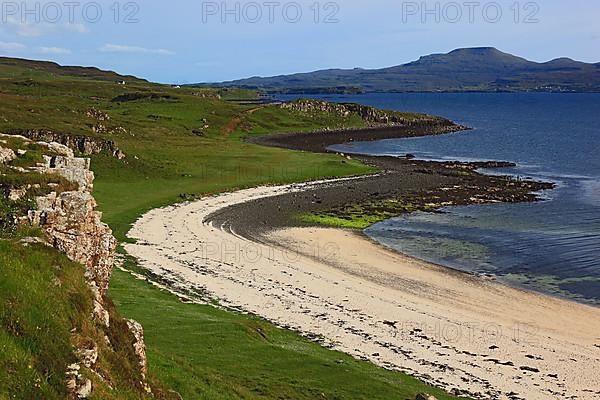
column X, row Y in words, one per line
column 54, row 68
column 471, row 69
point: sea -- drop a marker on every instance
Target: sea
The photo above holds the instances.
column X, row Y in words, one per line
column 551, row 246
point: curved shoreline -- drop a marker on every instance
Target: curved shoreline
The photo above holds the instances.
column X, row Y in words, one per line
column 318, row 142
column 398, row 312
column 352, row 294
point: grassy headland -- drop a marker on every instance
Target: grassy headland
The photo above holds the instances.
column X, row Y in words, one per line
column 179, row 143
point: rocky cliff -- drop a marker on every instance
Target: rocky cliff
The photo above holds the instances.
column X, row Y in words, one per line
column 372, row 116
column 70, row 219
column 72, row 225
column 84, row 144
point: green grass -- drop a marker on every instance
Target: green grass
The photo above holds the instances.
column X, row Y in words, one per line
column 125, row 191
column 362, row 215
column 199, row 351
column 165, row 160
column 207, row 353
column 45, row 314
column 31, row 354
column 269, row 120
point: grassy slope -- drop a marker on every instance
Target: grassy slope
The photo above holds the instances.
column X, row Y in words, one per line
column 198, row 349
column 46, row 308
column 164, row 159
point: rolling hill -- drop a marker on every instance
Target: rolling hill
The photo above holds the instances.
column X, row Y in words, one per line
column 15, row 66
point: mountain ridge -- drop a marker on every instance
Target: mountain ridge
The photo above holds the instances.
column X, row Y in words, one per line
column 464, row 69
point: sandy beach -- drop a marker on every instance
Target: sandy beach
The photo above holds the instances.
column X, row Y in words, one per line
column 466, row 334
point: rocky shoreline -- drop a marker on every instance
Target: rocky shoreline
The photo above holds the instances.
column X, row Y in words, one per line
column 318, row 142
column 249, row 250
column 424, row 185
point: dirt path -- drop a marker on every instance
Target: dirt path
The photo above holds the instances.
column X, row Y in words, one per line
column 235, row 122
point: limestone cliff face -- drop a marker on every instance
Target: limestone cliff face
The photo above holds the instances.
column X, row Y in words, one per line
column 73, row 226
column 84, row 144
column 71, row 222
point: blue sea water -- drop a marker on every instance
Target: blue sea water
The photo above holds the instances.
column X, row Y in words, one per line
column 551, row 246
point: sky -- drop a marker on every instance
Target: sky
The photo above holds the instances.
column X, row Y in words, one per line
column 189, row 41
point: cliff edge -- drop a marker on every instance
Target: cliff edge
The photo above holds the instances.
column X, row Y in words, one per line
column 48, row 190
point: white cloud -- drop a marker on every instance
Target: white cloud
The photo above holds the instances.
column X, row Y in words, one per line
column 22, row 28
column 53, row 50
column 118, row 48
column 78, row 28
column 12, row 47
column 29, row 29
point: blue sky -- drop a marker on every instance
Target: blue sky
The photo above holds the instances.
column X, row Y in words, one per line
column 194, row 41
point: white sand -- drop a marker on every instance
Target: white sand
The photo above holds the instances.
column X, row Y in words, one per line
column 449, row 328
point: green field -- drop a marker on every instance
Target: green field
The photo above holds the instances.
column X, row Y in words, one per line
column 182, row 144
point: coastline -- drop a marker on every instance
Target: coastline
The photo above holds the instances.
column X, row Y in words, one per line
column 197, row 255
column 376, row 304
column 418, row 186
column 319, row 141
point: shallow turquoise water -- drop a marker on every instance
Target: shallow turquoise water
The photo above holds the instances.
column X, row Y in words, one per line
column 551, row 246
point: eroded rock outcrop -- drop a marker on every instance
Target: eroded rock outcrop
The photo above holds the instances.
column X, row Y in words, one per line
column 70, row 219
column 139, row 347
column 6, row 155
column 371, row 115
column 74, row 227
column 84, row 144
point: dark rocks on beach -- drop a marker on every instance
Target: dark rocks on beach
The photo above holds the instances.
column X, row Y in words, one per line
column 411, row 184
column 532, row 357
column 318, row 142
